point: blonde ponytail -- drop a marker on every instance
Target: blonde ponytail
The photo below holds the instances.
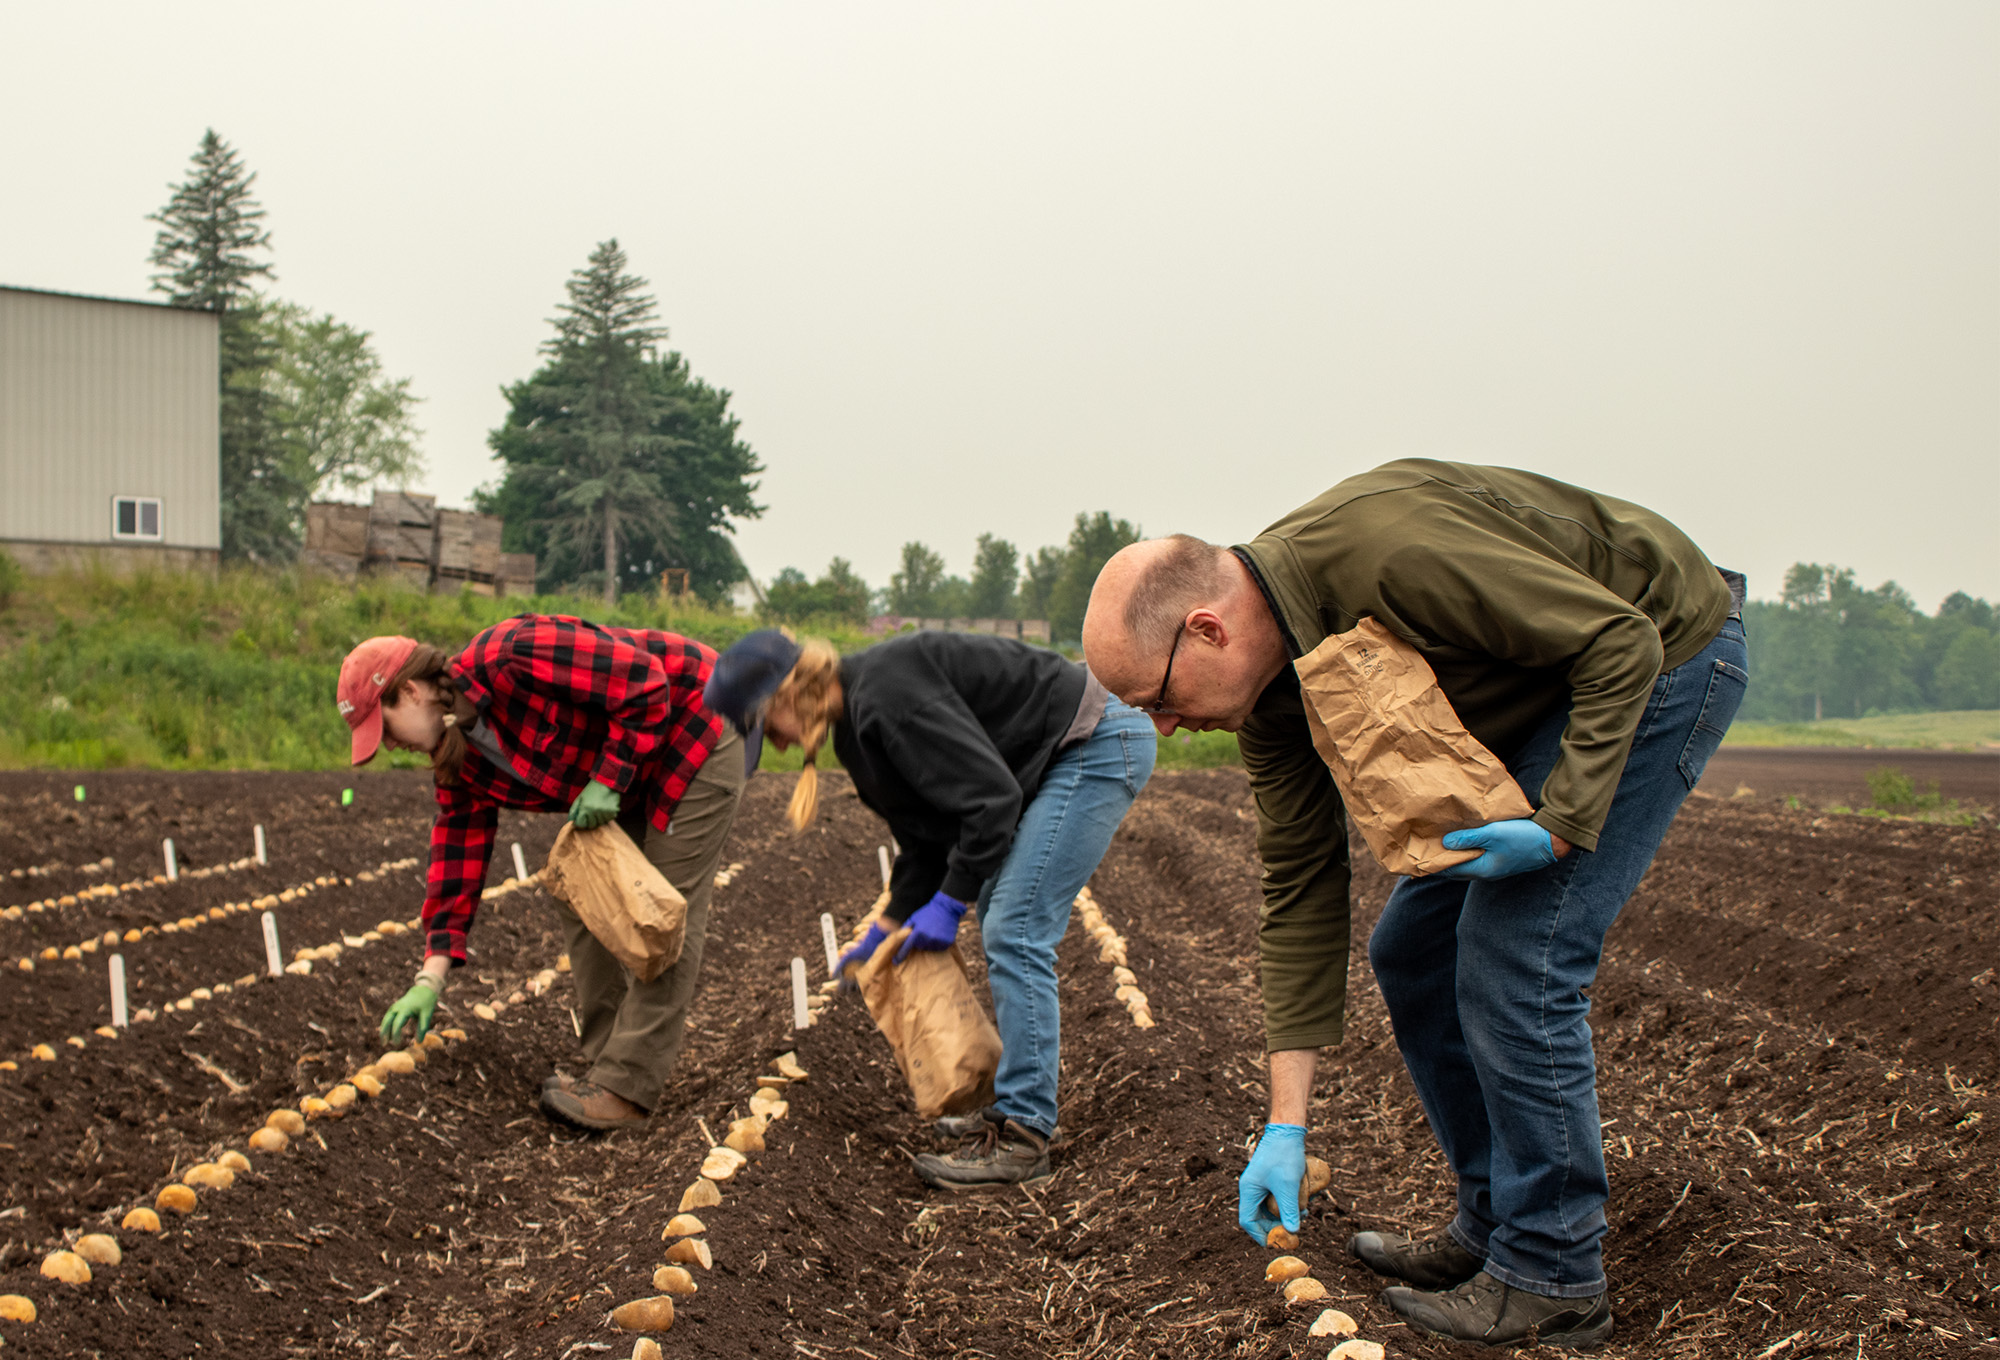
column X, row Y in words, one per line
column 812, row 691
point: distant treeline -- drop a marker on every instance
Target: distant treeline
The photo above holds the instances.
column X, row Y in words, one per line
column 1053, row 584
column 1827, row 648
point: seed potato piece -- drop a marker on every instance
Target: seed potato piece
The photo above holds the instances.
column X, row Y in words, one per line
column 314, row 1107
column 788, row 1067
column 767, row 1082
column 701, row 1195
column 366, row 1083
column 270, row 1138
column 1357, row 1350
column 1333, row 1322
column 15, row 1308
column 42, row 1053
column 1281, row 1239
column 674, row 1280
column 683, row 1225
column 66, row 1266
column 644, row 1315
column 1305, row 1289
column 433, row 1040
column 398, row 1062
column 209, row 1176
column 288, row 1122
column 175, row 1199
column 418, row 1053
column 105, row 1032
column 1285, row 1268
column 645, row 1348
column 233, row 1160
column 723, row 1163
column 486, row 1012
column 72, row 953
column 342, row 1096
column 771, row 1109
column 691, row 1251
column 141, row 1219
column 457, row 1036
column 1318, row 1176
column 100, row 1249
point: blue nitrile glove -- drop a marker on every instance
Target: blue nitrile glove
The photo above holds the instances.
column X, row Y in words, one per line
column 860, row 952
column 1276, row 1168
column 1509, row 848
column 595, row 806
column 934, row 925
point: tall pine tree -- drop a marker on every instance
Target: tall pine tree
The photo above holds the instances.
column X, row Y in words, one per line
column 209, row 250
column 619, row 462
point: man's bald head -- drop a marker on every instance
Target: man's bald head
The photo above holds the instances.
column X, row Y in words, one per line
column 1140, row 600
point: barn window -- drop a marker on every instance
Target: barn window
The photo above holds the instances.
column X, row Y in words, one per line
column 135, row 517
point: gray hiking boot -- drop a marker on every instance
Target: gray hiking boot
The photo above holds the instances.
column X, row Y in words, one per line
column 956, row 1128
column 1434, row 1262
column 1002, row 1153
column 1488, row 1313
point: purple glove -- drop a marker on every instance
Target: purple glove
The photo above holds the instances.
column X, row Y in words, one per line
column 934, row 925
column 860, row 952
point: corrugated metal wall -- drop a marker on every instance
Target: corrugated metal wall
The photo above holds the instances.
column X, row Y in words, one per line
column 101, row 399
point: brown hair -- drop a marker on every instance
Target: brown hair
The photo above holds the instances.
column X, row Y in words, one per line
column 429, row 663
column 812, row 691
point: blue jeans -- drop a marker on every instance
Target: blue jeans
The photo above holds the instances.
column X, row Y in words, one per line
column 1024, row 909
column 1485, row 984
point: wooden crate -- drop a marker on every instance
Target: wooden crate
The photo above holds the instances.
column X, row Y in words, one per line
column 334, row 528
column 516, row 575
column 468, row 545
column 402, row 528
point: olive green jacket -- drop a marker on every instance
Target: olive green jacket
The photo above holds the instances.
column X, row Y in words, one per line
column 1526, row 596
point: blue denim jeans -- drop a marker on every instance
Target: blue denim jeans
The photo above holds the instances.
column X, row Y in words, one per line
column 1024, row 909
column 1486, row 987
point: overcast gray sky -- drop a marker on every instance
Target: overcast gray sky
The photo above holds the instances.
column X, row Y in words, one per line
column 975, row 268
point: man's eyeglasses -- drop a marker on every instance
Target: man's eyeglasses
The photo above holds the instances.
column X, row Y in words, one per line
column 1159, row 704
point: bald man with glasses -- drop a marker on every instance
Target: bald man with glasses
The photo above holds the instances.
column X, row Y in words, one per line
column 1590, row 645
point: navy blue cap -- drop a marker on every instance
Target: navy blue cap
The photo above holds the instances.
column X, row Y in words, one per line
column 744, row 679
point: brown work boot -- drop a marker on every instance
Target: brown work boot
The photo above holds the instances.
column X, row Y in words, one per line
column 1002, row 1153
column 587, row 1105
column 1433, row 1262
column 561, row 1081
column 1488, row 1313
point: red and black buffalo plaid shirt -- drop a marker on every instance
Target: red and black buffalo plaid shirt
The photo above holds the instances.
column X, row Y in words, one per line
column 568, row 702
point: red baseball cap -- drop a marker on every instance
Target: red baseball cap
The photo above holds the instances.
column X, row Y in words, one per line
column 363, row 676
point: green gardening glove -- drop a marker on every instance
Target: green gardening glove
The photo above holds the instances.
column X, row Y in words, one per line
column 418, row 1004
column 595, row 806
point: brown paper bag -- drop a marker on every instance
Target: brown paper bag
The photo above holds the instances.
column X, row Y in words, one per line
column 926, row 1009
column 624, row 901
column 1407, row 769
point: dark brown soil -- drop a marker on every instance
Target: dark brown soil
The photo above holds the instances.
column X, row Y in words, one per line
column 1824, row 775
column 1796, row 1044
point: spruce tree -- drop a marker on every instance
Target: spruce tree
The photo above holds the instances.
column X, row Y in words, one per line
column 619, row 461
column 208, row 250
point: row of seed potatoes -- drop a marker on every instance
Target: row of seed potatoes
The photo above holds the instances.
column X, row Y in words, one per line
column 1111, row 950
column 72, row 1265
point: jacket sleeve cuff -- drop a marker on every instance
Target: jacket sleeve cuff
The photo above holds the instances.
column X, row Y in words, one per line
column 1317, row 1036
column 450, row 943
column 615, row 773
column 961, row 885
column 1557, row 825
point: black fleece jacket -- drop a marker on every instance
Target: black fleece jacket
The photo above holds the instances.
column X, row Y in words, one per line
column 947, row 736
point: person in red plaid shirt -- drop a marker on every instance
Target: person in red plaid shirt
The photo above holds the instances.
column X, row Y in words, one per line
column 548, row 713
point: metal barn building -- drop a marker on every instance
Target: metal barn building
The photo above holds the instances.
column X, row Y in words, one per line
column 109, row 439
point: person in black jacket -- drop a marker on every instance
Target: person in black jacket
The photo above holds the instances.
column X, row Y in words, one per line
column 1002, row 770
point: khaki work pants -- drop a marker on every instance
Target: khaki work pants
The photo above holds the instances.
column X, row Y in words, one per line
column 632, row 1030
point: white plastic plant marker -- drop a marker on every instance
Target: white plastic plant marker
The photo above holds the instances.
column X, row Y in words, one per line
column 258, row 832
column 882, row 855
column 272, row 957
column 831, row 940
column 520, row 863
column 173, row 866
column 119, row 1018
column 801, row 1015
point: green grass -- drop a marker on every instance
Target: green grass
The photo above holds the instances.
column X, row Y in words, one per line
column 1963, row 730
column 186, row 671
